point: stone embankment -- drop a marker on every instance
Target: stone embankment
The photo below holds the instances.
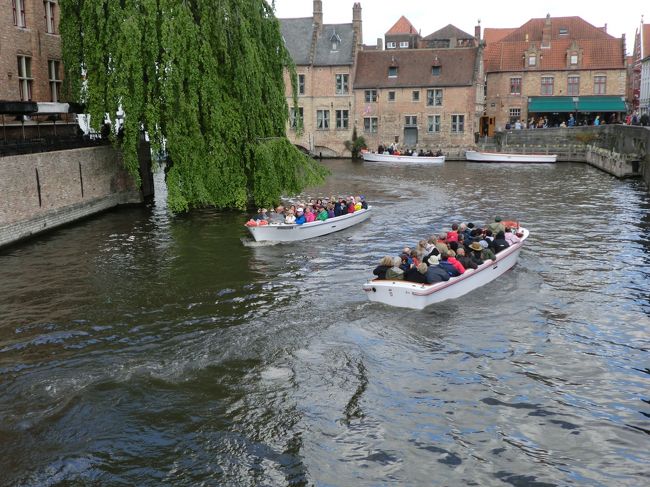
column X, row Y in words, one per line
column 620, row 150
column 39, row 192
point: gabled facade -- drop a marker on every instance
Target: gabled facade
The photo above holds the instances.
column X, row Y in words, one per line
column 552, row 67
column 30, row 51
column 324, row 55
column 419, row 98
column 450, row 36
column 402, row 35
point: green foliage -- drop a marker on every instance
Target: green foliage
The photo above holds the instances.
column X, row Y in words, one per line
column 205, row 77
column 356, row 144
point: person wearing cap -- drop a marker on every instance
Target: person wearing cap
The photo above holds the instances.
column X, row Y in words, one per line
column 300, row 216
column 496, row 226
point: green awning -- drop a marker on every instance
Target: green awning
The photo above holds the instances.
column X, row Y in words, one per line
column 601, row 104
column 550, row 104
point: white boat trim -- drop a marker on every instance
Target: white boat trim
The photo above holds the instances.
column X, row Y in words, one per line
column 386, row 157
column 282, row 232
column 477, row 156
column 405, row 294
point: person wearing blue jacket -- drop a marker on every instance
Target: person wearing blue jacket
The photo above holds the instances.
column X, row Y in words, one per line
column 300, row 216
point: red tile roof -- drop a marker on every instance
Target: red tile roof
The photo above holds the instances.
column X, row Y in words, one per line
column 599, row 49
column 491, row 34
column 414, row 68
column 402, row 26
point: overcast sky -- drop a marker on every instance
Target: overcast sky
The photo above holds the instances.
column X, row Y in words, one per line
column 621, row 16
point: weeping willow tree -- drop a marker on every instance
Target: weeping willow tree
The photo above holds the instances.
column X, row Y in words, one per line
column 205, row 77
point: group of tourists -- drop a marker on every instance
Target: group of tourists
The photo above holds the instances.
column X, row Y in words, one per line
column 449, row 254
column 393, row 150
column 313, row 210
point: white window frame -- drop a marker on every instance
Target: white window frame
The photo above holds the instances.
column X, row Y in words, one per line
column 342, row 83
column 532, row 60
column 458, row 123
column 515, row 88
column 573, row 59
column 322, row 119
column 600, row 88
column 342, row 119
column 545, row 85
column 370, row 125
column 514, row 114
column 53, row 70
column 25, row 77
column 392, row 71
column 19, row 13
column 296, row 122
column 569, row 85
column 410, row 120
column 433, row 124
column 391, row 45
column 434, row 97
column 370, row 96
column 404, row 44
column 49, row 6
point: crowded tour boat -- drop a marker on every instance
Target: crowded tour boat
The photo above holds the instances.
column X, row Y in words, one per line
column 308, row 220
column 448, row 265
column 392, row 154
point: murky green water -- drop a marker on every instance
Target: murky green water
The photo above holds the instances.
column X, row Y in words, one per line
column 142, row 349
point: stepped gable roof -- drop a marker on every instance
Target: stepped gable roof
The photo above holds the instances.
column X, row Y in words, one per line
column 492, row 34
column 402, row 26
column 448, row 32
column 414, row 68
column 599, row 49
column 298, row 37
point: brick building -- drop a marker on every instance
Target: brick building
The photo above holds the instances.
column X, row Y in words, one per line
column 30, row 51
column 640, row 67
column 419, row 98
column 402, row 35
column 325, row 56
column 551, row 68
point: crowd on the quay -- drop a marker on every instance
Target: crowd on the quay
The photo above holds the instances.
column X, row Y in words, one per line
column 449, row 254
column 313, row 210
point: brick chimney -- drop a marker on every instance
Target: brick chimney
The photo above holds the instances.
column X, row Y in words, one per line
column 477, row 31
column 356, row 23
column 380, row 44
column 546, row 33
column 318, row 13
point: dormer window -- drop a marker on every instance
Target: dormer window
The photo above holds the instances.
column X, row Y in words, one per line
column 336, row 41
column 532, row 60
column 564, row 31
column 392, row 71
column 573, row 58
column 435, row 70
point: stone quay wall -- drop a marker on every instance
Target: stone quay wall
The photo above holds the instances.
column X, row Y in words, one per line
column 620, row 150
column 39, row 192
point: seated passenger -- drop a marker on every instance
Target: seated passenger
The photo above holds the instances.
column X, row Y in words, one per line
column 465, row 260
column 364, row 203
column 330, row 210
column 500, row 243
column 511, row 237
column 300, row 216
column 384, row 264
column 351, row 204
column 357, row 203
column 417, row 274
column 309, row 215
column 451, row 257
column 405, row 262
column 432, row 258
column 435, row 273
column 486, row 253
column 277, row 216
column 448, row 266
column 261, row 214
column 322, row 215
column 452, row 236
column 290, row 218
column 476, row 253
column 395, row 272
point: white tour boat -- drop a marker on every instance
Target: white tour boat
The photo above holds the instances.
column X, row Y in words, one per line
column 386, row 157
column 412, row 295
column 283, row 232
column 476, row 156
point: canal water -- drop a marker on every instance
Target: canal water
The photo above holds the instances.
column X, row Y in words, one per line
column 139, row 348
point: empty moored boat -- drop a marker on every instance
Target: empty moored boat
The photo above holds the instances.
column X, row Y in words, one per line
column 476, row 156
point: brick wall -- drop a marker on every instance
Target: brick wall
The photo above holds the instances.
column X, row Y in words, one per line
column 32, row 41
column 73, row 184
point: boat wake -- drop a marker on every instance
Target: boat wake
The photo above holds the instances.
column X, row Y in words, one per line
column 249, row 242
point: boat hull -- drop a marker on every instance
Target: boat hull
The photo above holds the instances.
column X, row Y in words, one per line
column 385, row 157
column 406, row 294
column 476, row 156
column 293, row 233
